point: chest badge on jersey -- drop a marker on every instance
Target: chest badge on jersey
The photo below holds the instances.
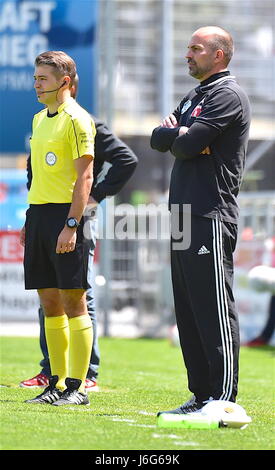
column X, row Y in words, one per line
column 51, row 158
column 196, row 111
column 185, row 106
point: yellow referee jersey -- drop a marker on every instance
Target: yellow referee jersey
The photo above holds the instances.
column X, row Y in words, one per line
column 55, row 143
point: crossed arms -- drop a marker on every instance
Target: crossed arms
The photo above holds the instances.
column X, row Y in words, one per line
column 184, row 142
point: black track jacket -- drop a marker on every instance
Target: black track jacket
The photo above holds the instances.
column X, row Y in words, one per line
column 217, row 114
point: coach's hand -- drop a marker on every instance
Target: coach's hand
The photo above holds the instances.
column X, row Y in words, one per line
column 66, row 240
column 169, row 121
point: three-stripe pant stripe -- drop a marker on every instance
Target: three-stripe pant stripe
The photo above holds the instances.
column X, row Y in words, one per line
column 223, row 312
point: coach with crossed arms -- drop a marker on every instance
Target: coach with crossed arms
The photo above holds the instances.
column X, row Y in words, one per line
column 208, row 135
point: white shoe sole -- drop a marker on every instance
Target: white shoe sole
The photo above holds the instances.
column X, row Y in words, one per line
column 33, row 386
column 92, row 389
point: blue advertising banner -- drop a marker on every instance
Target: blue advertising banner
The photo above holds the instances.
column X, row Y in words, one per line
column 28, row 28
column 13, row 199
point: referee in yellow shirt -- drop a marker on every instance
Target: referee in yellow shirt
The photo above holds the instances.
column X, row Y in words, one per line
column 56, row 252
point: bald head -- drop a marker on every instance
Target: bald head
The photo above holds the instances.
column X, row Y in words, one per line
column 209, row 51
column 217, row 39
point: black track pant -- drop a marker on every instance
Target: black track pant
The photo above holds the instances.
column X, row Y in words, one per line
column 202, row 278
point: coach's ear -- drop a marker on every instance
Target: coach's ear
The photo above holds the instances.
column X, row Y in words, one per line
column 219, row 56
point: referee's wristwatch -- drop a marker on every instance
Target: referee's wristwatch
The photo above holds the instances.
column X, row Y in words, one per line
column 71, row 222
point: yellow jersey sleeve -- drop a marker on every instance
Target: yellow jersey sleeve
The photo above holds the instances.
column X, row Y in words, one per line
column 82, row 136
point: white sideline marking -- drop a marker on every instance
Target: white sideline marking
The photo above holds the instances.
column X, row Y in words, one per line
column 185, row 443
column 124, row 420
column 132, row 422
column 143, row 425
column 176, row 439
column 146, row 413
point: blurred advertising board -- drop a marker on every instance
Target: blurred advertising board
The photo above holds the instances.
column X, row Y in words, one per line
column 252, row 304
column 15, row 302
column 28, row 28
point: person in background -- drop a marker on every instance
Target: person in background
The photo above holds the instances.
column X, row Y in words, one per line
column 265, row 283
column 108, row 148
column 268, row 330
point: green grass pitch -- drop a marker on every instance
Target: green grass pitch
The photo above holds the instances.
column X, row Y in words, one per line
column 138, row 377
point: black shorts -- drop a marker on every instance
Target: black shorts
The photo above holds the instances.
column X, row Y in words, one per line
column 43, row 267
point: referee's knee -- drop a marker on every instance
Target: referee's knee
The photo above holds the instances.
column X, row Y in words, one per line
column 74, row 301
column 50, row 299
